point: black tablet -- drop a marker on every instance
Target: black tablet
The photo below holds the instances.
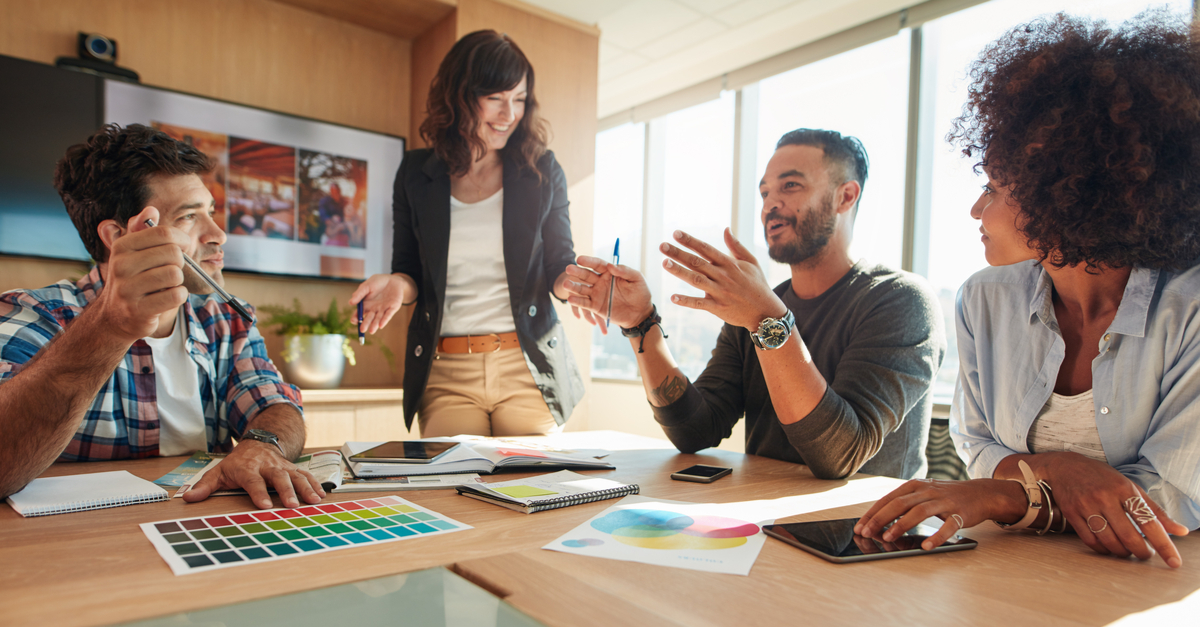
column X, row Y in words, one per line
column 405, row 452
column 835, row 540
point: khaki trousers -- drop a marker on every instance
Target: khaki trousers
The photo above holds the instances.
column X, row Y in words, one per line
column 489, row 394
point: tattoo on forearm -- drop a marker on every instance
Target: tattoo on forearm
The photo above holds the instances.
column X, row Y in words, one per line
column 670, row 390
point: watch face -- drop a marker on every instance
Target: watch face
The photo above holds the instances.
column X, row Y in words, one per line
column 772, row 333
column 259, row 434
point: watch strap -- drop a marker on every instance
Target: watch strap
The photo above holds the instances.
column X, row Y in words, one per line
column 267, row 438
column 788, row 319
column 1033, row 493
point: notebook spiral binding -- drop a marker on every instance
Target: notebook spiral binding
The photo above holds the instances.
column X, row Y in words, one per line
column 587, row 497
column 79, row 506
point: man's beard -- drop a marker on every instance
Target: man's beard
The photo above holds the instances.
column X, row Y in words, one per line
column 812, row 234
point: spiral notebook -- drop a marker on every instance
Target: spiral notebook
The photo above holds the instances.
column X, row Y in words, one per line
column 75, row 493
column 552, row 491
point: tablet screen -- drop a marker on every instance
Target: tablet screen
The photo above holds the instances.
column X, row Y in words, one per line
column 406, row 450
column 836, row 540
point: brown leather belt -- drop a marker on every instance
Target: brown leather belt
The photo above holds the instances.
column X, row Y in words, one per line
column 489, row 343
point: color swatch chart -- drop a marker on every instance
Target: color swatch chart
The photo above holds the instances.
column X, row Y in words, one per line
column 193, row 545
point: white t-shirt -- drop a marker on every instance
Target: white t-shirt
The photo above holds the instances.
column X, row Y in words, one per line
column 177, row 384
column 1068, row 423
column 477, row 299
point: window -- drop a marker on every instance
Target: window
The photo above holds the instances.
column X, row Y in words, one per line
column 697, row 196
column 862, row 93
column 620, row 158
column 680, row 169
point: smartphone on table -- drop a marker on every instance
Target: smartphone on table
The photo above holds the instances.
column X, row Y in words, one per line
column 405, row 452
column 701, row 473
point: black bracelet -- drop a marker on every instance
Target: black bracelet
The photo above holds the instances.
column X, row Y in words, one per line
column 653, row 320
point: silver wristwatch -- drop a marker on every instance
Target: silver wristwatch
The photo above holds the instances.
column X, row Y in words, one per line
column 773, row 332
column 264, row 436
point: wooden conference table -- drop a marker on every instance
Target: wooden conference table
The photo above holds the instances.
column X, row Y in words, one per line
column 97, row 568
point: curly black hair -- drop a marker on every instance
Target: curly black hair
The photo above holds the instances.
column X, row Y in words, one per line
column 1097, row 132
column 105, row 178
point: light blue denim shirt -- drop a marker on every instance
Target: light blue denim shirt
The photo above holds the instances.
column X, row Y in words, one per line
column 1145, row 382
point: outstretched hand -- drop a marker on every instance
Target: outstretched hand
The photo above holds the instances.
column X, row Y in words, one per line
column 735, row 288
column 588, row 282
column 382, row 296
column 959, row 503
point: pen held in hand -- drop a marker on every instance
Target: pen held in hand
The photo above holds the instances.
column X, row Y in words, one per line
column 225, row 296
column 612, row 280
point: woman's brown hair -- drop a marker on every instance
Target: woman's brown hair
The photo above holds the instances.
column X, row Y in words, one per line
column 480, row 64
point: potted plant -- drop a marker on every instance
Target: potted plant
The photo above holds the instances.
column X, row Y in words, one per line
column 315, row 347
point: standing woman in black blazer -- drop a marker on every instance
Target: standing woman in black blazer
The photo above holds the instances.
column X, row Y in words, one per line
column 482, row 237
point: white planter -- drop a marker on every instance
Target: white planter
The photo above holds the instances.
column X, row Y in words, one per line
column 314, row 361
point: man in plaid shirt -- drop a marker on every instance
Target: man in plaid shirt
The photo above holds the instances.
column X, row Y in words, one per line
column 139, row 358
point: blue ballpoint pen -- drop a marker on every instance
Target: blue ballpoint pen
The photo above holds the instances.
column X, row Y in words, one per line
column 613, row 280
column 362, row 339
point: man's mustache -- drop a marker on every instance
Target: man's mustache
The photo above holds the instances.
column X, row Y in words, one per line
column 775, row 215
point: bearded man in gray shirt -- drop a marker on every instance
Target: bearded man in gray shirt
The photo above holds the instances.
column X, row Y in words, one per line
column 831, row 369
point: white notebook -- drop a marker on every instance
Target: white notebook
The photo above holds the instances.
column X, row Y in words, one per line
column 75, row 493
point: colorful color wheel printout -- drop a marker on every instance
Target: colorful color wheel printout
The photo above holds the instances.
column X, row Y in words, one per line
column 660, row 529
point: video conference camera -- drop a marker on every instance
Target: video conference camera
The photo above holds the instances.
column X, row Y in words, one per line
column 97, row 55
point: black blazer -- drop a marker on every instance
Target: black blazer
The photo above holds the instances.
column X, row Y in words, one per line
column 537, row 248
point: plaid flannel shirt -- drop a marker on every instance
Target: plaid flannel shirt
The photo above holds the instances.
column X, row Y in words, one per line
column 237, row 378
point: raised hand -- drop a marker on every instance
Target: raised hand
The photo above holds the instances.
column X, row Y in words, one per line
column 735, row 289
column 144, row 278
column 588, row 282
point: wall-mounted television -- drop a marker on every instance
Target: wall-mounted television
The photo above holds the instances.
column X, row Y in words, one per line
column 44, row 110
column 296, row 196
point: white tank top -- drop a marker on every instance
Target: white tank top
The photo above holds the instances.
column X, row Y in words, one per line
column 177, row 384
column 477, row 300
column 1067, row 423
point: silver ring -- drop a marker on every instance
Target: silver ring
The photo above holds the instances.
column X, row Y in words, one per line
column 958, row 519
column 1102, row 527
column 1138, row 510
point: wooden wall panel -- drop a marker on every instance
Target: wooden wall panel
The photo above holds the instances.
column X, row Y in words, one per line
column 248, row 51
column 428, row 51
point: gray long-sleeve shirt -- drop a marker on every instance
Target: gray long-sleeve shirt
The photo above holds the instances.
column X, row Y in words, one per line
column 876, row 336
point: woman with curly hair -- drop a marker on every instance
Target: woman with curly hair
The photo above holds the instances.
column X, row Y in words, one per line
column 481, row 238
column 1078, row 399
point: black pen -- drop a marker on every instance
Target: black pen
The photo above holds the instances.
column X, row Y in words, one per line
column 225, row 296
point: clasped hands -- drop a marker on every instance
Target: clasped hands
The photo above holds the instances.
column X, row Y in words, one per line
column 735, row 288
column 1084, row 490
